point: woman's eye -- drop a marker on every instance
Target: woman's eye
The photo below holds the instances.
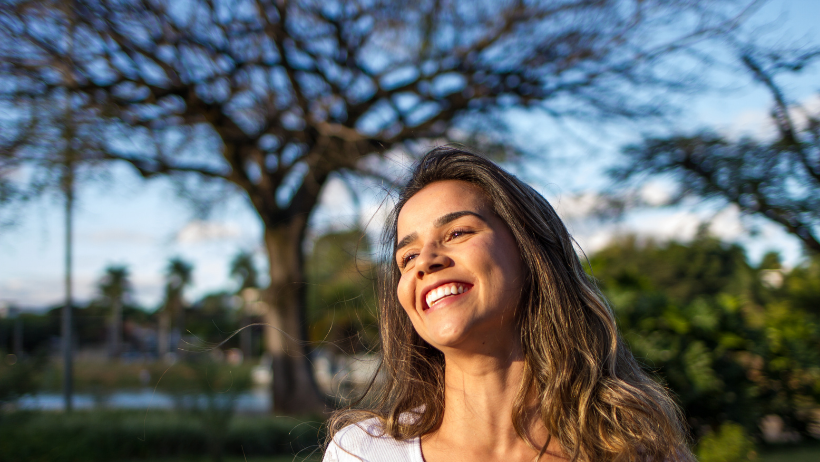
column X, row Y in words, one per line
column 406, row 259
column 458, row 233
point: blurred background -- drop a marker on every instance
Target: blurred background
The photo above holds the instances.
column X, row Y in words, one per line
column 192, row 194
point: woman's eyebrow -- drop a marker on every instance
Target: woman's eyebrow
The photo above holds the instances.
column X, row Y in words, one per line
column 406, row 240
column 444, row 219
column 440, row 221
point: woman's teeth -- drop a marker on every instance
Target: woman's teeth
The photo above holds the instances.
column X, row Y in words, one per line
column 443, row 291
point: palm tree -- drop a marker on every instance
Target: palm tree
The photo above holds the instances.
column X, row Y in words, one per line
column 114, row 288
column 178, row 276
column 243, row 269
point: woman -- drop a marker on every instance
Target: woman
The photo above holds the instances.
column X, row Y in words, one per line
column 496, row 346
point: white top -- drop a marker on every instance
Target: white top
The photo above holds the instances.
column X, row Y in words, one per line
column 361, row 442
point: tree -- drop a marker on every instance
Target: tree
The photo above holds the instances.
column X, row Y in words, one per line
column 731, row 348
column 803, row 285
column 341, row 300
column 53, row 143
column 114, row 288
column 243, row 269
column 778, row 179
column 274, row 97
column 178, row 276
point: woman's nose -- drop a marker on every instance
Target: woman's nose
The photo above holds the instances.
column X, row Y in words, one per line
column 431, row 260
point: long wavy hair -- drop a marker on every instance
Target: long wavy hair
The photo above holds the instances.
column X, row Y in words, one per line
column 592, row 395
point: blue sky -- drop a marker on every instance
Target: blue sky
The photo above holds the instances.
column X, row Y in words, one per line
column 142, row 224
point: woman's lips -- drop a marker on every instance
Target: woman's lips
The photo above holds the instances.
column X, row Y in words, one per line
column 444, row 292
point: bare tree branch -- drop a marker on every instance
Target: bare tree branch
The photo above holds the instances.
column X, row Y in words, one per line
column 274, row 96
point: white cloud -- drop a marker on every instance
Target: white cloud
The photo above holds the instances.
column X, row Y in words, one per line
column 578, row 206
column 727, row 225
column 656, row 193
column 683, row 225
column 588, row 205
column 119, row 235
column 35, row 291
column 680, row 225
column 335, row 195
column 200, row 231
column 676, row 223
column 148, row 288
column 758, row 123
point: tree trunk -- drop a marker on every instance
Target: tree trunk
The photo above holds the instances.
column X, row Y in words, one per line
column 18, row 338
column 294, row 390
column 67, row 325
column 162, row 333
column 246, row 335
column 115, row 330
column 180, row 319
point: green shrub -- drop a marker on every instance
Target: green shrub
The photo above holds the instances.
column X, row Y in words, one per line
column 107, row 435
column 18, row 376
column 729, row 444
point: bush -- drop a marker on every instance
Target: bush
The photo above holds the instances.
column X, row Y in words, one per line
column 729, row 444
column 108, row 435
column 17, row 376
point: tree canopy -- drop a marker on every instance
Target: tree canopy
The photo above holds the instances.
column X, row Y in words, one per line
column 732, row 345
column 776, row 178
column 272, row 97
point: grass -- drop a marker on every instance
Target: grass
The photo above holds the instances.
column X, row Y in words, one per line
column 106, row 377
column 190, row 436
column 807, row 452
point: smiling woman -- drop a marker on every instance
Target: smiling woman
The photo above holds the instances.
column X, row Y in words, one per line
column 496, row 345
column 456, row 241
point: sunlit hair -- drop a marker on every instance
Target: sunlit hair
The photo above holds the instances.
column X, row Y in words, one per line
column 594, row 398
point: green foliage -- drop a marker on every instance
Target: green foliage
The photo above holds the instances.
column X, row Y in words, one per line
column 680, row 271
column 181, row 378
column 341, row 299
column 18, row 376
column 776, row 179
column 115, row 284
column 730, row 443
column 213, row 407
column 729, row 346
column 205, row 393
column 37, row 329
column 244, row 270
column 803, row 286
column 212, row 319
column 105, row 436
column 803, row 452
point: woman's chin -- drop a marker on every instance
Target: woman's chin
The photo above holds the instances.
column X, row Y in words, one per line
column 460, row 342
column 446, row 339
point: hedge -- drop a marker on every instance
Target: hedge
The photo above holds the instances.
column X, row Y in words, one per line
column 104, row 436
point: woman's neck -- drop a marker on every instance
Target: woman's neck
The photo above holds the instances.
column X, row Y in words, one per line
column 479, row 396
column 480, row 390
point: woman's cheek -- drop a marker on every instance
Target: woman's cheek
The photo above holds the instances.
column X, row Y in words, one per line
column 405, row 294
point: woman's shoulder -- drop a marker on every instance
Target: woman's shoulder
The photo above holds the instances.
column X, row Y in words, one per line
column 366, row 441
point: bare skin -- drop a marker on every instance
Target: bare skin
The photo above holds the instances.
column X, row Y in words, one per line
column 475, row 329
column 479, row 396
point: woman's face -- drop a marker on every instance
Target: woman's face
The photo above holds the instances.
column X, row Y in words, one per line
column 461, row 272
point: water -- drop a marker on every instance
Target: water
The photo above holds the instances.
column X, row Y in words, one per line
column 256, row 400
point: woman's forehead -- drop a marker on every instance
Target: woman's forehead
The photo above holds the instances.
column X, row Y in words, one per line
column 441, row 198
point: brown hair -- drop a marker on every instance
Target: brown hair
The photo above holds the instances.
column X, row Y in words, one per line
column 593, row 396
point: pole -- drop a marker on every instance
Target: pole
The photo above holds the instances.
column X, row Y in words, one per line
column 69, row 158
column 117, row 327
column 67, row 324
column 18, row 337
